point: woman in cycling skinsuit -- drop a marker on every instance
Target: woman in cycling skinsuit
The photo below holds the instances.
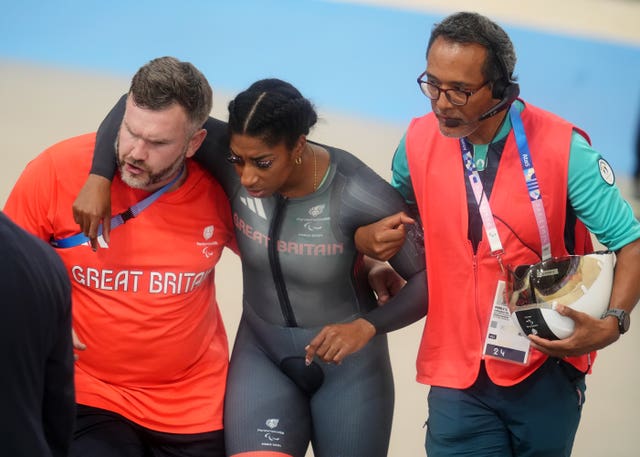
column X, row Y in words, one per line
column 296, row 206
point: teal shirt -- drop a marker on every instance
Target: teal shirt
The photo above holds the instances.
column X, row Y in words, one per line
column 598, row 204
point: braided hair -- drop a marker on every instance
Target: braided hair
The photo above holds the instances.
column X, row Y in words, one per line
column 272, row 110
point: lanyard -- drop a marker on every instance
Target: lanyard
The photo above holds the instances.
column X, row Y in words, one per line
column 532, row 182
column 482, row 201
column 533, row 188
column 118, row 219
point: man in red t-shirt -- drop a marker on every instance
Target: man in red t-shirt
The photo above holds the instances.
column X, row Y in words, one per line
column 151, row 377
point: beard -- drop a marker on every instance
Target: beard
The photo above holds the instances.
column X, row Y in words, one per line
column 148, row 179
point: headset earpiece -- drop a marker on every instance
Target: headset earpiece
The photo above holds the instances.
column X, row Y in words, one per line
column 504, row 88
column 498, row 89
column 509, row 94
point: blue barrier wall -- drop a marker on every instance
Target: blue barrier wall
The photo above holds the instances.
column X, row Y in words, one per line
column 351, row 58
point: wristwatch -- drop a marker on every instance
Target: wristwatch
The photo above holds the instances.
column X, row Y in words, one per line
column 624, row 320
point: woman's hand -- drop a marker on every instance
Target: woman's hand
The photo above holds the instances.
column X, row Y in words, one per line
column 92, row 207
column 337, row 341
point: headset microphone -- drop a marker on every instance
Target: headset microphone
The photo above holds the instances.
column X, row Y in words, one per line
column 510, row 93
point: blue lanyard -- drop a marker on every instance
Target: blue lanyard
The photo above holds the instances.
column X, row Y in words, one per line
column 535, row 196
column 533, row 188
column 118, row 219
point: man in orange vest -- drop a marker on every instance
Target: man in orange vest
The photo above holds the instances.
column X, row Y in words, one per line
column 499, row 183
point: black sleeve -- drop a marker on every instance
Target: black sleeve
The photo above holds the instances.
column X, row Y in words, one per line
column 366, row 199
column 104, row 155
column 405, row 308
column 411, row 302
column 211, row 154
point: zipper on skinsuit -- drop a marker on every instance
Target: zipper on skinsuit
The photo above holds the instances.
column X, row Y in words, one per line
column 274, row 261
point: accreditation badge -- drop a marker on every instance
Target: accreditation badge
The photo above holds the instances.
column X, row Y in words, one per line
column 504, row 340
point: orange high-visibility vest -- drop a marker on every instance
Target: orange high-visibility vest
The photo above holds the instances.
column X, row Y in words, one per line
column 462, row 285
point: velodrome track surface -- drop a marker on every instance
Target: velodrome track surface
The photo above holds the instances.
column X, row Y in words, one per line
column 61, row 83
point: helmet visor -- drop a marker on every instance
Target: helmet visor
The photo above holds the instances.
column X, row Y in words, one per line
column 557, row 281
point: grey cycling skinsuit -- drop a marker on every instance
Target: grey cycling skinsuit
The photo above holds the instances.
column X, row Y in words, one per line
column 301, row 271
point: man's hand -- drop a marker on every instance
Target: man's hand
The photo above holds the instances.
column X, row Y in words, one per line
column 337, row 341
column 92, row 207
column 383, row 239
column 384, row 280
column 77, row 344
column 590, row 334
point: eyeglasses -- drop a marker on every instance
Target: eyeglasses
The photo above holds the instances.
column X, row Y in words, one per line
column 457, row 97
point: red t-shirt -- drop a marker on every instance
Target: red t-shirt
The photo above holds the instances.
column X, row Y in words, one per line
column 157, row 350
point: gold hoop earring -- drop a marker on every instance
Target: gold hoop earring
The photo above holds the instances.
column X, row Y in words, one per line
column 298, row 160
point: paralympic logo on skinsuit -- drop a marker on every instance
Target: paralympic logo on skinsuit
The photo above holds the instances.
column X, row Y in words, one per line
column 271, row 435
column 314, row 224
column 272, row 423
column 316, row 211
